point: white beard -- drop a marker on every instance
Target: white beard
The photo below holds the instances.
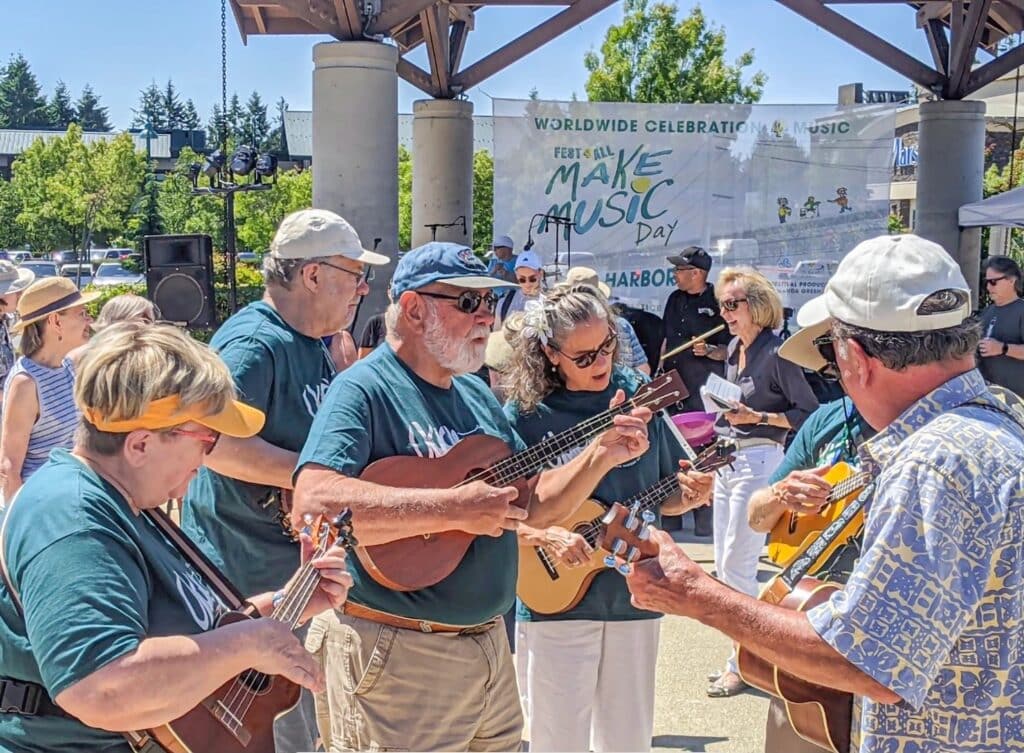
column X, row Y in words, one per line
column 458, row 357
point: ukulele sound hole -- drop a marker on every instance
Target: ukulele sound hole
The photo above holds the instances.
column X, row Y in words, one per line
column 256, row 682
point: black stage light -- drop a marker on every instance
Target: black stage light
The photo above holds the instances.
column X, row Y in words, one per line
column 243, row 160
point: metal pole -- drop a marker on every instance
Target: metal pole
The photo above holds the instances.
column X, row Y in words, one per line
column 229, row 244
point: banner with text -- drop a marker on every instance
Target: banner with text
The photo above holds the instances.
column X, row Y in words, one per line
column 619, row 187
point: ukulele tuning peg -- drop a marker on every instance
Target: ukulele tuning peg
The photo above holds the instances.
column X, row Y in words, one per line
column 609, row 560
column 307, row 519
column 622, row 568
column 633, row 555
column 632, row 520
column 618, row 546
column 647, row 516
column 645, row 534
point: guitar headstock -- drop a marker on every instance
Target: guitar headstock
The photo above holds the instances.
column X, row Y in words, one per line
column 326, row 534
column 342, row 525
column 721, row 453
column 661, row 392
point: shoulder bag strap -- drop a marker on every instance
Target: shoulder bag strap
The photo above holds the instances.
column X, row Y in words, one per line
column 3, row 556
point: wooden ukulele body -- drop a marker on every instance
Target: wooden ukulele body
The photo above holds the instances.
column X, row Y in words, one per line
column 416, row 562
column 819, row 714
column 214, row 727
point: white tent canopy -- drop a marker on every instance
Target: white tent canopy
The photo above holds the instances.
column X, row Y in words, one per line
column 1004, row 209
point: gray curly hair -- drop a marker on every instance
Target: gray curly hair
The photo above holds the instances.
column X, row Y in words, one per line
column 532, row 376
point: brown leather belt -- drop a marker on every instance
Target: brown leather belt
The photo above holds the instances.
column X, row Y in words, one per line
column 408, row 623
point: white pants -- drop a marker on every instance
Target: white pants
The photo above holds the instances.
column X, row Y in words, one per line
column 737, row 545
column 590, row 685
column 522, row 662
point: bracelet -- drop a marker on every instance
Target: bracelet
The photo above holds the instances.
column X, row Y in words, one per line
column 277, row 598
column 1006, row 348
column 764, row 418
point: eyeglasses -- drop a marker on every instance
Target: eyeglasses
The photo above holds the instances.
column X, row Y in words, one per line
column 365, row 276
column 468, row 301
column 584, row 360
column 827, row 349
column 209, row 440
column 685, row 269
column 731, row 304
column 990, row 281
column 524, row 280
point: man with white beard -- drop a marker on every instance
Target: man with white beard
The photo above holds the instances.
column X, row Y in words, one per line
column 430, row 669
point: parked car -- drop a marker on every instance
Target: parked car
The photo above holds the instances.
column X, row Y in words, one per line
column 41, row 268
column 20, row 257
column 65, row 256
column 100, row 255
column 112, row 273
column 81, row 273
column 248, row 257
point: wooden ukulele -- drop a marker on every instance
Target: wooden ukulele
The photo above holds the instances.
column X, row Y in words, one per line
column 549, row 587
column 239, row 716
column 819, row 714
column 795, row 531
column 417, row 562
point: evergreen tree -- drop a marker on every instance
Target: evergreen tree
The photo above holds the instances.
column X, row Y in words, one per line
column 151, row 109
column 215, row 128
column 174, row 110
column 277, row 141
column 62, row 110
column 257, row 124
column 190, row 116
column 236, row 119
column 90, row 115
column 22, row 104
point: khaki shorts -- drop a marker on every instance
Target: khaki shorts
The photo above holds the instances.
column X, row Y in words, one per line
column 394, row 689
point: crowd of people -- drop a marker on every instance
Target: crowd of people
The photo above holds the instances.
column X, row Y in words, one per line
column 110, row 629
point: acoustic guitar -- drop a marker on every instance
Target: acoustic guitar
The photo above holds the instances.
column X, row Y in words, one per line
column 416, row 562
column 819, row 714
column 239, row 716
column 549, row 587
column 795, row 531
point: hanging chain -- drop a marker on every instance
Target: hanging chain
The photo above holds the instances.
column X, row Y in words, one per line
column 224, row 74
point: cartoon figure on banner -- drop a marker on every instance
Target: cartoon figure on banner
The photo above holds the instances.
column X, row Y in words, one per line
column 810, row 208
column 784, row 209
column 841, row 200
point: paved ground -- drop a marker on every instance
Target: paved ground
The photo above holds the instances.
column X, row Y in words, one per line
column 684, row 717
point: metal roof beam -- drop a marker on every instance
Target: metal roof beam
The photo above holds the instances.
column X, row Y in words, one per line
column 965, row 46
column 938, row 43
column 457, row 44
column 989, row 72
column 395, row 12
column 349, row 20
column 416, row 76
column 435, row 23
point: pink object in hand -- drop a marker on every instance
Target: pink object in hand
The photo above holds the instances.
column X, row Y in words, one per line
column 697, row 427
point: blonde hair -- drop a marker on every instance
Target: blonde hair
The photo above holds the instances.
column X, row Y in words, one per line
column 125, row 308
column 130, row 364
column 32, row 338
column 531, row 376
column 762, row 297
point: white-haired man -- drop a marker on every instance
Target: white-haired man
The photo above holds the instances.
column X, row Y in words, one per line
column 315, row 274
column 430, row 669
column 929, row 629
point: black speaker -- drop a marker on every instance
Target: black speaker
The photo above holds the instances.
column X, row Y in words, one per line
column 179, row 279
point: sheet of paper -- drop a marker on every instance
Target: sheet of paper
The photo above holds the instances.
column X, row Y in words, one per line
column 718, row 395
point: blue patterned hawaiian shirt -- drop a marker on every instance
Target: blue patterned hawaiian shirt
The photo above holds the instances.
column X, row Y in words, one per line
column 934, row 610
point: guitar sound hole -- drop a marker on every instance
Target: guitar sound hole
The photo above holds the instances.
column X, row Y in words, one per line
column 256, row 682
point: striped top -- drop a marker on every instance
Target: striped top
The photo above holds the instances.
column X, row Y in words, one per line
column 58, row 414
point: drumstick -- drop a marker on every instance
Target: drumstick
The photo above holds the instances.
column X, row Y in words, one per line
column 694, row 341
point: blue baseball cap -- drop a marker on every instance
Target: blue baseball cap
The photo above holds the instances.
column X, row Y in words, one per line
column 441, row 262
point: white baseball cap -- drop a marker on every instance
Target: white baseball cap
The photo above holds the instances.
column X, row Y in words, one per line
column 880, row 285
column 530, row 260
column 502, row 241
column 312, row 233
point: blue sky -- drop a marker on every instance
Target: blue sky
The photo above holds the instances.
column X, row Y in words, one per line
column 120, row 46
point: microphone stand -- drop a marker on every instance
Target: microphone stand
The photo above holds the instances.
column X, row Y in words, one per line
column 459, row 221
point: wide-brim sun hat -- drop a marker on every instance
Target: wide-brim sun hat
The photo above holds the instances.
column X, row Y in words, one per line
column 48, row 296
column 14, row 279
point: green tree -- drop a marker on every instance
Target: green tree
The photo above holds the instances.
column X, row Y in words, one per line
column 150, row 109
column 236, row 119
column 483, row 199
column 404, row 198
column 256, row 122
column 91, row 115
column 654, row 57
column 62, row 110
column 174, row 110
column 180, row 211
column 278, row 141
column 190, row 120
column 11, row 234
column 258, row 213
column 215, row 128
column 22, row 104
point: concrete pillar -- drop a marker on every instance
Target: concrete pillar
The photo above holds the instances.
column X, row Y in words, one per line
column 442, row 170
column 950, row 169
column 355, row 147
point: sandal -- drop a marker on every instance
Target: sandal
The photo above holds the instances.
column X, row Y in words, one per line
column 726, row 686
column 713, row 676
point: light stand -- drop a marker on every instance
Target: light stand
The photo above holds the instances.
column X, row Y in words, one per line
column 224, row 183
column 566, row 224
column 459, row 221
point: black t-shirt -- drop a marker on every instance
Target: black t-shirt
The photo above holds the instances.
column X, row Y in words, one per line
column 373, row 332
column 650, row 331
column 1005, row 324
column 687, row 316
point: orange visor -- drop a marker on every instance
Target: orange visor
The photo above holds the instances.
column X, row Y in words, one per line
column 236, row 420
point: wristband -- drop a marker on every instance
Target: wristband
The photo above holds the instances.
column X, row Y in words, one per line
column 1006, row 348
column 764, row 418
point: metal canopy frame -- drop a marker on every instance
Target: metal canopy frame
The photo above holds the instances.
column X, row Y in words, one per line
column 441, row 25
column 956, row 31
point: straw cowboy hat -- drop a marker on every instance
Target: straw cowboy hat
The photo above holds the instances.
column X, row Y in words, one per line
column 49, row 296
column 13, row 279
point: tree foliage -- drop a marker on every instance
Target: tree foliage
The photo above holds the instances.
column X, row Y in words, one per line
column 22, row 104
column 404, row 198
column 483, row 199
column 260, row 212
column 62, row 109
column 652, row 56
column 88, row 112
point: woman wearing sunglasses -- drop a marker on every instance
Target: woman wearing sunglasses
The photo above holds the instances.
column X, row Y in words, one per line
column 106, row 626
column 776, row 400
column 530, row 278
column 1001, row 350
column 590, row 670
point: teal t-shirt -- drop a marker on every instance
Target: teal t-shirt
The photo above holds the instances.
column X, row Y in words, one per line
column 285, row 374
column 607, row 599
column 823, row 439
column 380, row 408
column 95, row 579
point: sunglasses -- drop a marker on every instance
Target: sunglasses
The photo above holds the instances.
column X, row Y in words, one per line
column 586, row 359
column 365, row 276
column 731, row 304
column 524, row 280
column 990, row 281
column 468, row 301
column 209, row 440
column 827, row 349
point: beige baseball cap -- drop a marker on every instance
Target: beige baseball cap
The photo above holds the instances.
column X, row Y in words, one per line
column 587, row 276
column 312, row 233
column 880, row 285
